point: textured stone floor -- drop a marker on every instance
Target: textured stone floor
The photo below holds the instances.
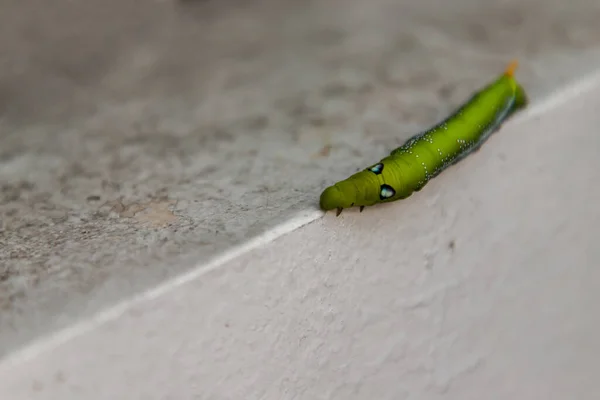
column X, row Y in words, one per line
column 137, row 136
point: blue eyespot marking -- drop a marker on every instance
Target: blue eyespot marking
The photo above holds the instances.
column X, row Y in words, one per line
column 376, row 169
column 386, row 192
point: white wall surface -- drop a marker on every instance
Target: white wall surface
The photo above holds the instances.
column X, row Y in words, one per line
column 485, row 285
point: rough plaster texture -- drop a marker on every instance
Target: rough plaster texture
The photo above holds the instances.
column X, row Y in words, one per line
column 136, row 134
column 483, row 286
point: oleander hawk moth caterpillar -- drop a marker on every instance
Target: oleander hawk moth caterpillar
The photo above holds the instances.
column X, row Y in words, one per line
column 422, row 157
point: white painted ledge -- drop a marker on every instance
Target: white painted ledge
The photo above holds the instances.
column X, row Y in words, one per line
column 485, row 285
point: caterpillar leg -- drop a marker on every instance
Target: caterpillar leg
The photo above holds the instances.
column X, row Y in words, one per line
column 339, row 211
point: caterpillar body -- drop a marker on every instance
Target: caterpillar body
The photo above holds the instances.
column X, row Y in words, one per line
column 424, row 156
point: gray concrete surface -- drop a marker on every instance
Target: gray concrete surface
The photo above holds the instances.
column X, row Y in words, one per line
column 484, row 286
column 137, row 136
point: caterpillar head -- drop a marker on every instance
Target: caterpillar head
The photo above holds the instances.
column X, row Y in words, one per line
column 339, row 196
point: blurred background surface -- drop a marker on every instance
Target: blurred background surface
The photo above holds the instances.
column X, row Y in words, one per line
column 136, row 136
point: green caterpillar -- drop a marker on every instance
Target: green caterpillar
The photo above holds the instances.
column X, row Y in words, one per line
column 409, row 167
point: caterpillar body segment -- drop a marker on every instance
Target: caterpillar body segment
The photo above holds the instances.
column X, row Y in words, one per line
column 424, row 156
